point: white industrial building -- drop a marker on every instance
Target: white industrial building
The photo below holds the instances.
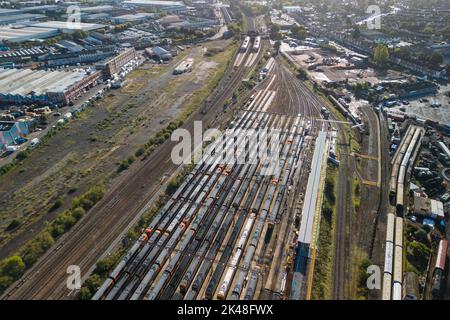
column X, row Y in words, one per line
column 20, row 18
column 10, row 34
column 168, row 6
column 43, row 30
column 141, row 16
column 68, row 27
column 24, row 86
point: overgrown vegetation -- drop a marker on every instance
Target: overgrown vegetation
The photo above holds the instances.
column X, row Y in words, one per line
column 100, row 273
column 13, row 267
column 323, row 270
column 198, row 97
column 253, row 9
column 363, row 291
column 173, row 184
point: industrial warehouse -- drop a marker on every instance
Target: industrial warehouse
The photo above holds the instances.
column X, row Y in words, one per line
column 26, row 86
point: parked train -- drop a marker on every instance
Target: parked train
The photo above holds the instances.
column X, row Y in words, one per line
column 388, row 257
column 439, row 269
column 393, row 259
column 347, row 114
column 405, row 163
column 245, row 44
column 398, row 260
column 195, row 220
column 256, row 44
column 396, row 161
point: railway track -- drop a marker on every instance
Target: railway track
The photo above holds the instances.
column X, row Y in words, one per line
column 402, row 163
column 300, row 99
column 182, row 270
column 342, row 212
column 312, row 105
column 93, row 235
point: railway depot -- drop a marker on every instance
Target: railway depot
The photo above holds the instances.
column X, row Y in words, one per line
column 330, row 155
column 208, row 238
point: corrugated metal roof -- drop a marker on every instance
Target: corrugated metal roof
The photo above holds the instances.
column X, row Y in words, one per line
column 68, row 25
column 309, row 206
column 8, row 33
column 38, row 82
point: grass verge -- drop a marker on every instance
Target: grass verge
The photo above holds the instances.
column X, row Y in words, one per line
column 323, row 270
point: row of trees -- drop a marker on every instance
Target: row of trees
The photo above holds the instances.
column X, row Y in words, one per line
column 381, row 54
column 14, row 266
column 434, row 60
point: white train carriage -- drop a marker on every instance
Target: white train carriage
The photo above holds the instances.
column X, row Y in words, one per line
column 387, row 286
column 257, row 44
column 245, row 44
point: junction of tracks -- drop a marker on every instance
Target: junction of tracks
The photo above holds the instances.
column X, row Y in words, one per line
column 233, row 229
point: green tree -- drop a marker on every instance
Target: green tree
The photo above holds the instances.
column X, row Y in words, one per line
column 428, row 29
column 356, row 32
column 446, row 33
column 79, row 34
column 5, row 282
column 421, row 235
column 85, row 293
column 93, row 282
column 13, row 267
column 277, row 45
column 329, row 190
column 35, row 248
column 299, row 32
column 103, row 266
column 22, row 155
column 436, row 59
column 78, row 213
column 172, row 186
column 381, row 54
column 403, row 52
column 13, row 224
column 58, row 203
column 275, row 31
column 302, row 74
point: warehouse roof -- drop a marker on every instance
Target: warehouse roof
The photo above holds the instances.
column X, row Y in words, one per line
column 134, row 17
column 22, row 52
column 4, row 12
column 48, row 7
column 97, row 8
column 68, row 26
column 15, row 34
column 156, row 3
column 36, row 82
column 20, row 17
column 93, row 16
